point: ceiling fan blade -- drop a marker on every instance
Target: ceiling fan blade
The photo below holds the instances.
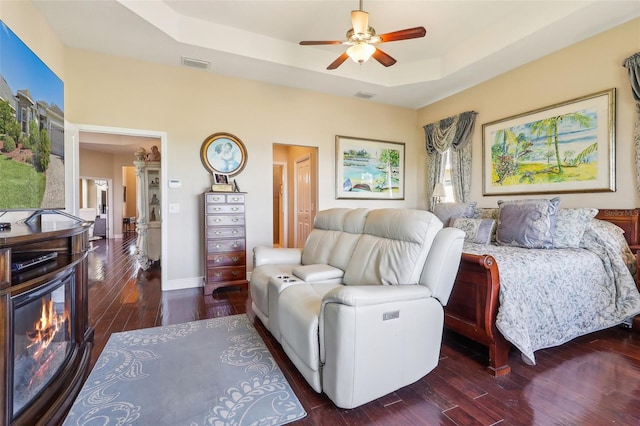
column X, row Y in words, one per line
column 359, row 21
column 383, row 58
column 312, row 43
column 409, row 33
column 335, row 64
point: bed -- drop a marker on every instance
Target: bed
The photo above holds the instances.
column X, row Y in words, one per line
column 483, row 312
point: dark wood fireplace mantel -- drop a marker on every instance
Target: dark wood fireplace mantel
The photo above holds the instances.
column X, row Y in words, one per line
column 70, row 241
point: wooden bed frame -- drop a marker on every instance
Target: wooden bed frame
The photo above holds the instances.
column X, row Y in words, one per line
column 473, row 304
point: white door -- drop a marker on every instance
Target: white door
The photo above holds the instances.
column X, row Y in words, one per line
column 304, row 204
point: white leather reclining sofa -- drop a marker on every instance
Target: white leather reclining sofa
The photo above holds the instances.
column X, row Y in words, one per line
column 359, row 310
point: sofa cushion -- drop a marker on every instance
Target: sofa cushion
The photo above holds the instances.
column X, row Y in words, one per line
column 328, row 226
column 317, row 272
column 393, row 248
column 319, row 246
column 352, row 230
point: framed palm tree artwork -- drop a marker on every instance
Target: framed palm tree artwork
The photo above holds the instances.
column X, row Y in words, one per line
column 567, row 147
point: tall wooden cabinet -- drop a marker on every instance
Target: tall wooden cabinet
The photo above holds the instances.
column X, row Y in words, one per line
column 225, row 261
column 149, row 221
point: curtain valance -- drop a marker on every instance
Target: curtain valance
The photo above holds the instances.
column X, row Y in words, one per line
column 632, row 64
column 452, row 132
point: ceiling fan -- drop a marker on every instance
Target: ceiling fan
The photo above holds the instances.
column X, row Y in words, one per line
column 362, row 39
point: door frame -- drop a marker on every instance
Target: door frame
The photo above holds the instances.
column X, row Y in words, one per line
column 77, row 128
column 284, row 231
column 305, row 157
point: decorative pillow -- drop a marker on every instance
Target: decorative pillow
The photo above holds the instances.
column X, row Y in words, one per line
column 570, row 226
column 445, row 211
column 488, row 213
column 527, row 223
column 476, row 230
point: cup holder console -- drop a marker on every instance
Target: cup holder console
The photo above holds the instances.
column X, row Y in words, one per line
column 286, row 278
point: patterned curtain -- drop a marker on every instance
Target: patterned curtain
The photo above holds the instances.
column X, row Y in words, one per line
column 632, row 64
column 452, row 133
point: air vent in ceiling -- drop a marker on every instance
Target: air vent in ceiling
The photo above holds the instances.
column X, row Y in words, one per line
column 365, row 95
column 195, row 63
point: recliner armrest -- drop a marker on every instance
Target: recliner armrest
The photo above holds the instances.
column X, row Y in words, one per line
column 264, row 255
column 365, row 295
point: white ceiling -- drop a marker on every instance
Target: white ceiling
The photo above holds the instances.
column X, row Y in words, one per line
column 116, row 144
column 467, row 41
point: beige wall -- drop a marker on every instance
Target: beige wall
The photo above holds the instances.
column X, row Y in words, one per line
column 188, row 105
column 100, row 165
column 587, row 67
column 118, row 92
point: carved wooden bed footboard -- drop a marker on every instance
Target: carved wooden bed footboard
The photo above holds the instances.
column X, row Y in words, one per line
column 473, row 305
column 474, row 301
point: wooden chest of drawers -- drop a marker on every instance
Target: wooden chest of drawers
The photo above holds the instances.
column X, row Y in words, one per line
column 224, row 240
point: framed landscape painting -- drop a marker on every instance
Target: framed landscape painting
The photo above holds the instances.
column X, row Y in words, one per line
column 567, row 147
column 369, row 169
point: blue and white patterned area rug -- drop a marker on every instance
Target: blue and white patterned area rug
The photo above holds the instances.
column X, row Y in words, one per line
column 210, row 372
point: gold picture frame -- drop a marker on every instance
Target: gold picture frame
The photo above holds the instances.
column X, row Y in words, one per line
column 369, row 169
column 568, row 147
column 223, row 153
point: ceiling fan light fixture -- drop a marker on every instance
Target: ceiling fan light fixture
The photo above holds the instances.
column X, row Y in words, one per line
column 359, row 21
column 361, row 52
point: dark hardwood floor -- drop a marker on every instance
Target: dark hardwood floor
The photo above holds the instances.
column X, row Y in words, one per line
column 593, row 380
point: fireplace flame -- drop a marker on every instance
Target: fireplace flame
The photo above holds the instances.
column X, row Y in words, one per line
column 47, row 326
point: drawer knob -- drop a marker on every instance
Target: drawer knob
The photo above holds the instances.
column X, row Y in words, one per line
column 218, row 232
column 217, row 259
column 235, row 273
column 218, row 245
column 235, row 231
column 216, row 198
column 236, row 198
column 235, row 219
column 217, row 275
column 235, row 258
column 217, row 219
column 217, row 209
column 234, row 209
column 235, row 245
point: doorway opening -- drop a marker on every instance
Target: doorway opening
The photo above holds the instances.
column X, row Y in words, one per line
column 295, row 193
column 94, row 204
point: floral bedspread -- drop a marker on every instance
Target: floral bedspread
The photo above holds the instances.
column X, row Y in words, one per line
column 550, row 296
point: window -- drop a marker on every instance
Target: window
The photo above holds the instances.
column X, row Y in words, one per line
column 445, row 176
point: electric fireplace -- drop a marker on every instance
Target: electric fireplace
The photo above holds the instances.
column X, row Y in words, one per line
column 44, row 328
column 42, row 339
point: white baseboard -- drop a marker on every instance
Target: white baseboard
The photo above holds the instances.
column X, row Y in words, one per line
column 182, row 283
column 188, row 283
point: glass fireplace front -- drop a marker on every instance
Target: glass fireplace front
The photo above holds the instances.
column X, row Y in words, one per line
column 42, row 339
